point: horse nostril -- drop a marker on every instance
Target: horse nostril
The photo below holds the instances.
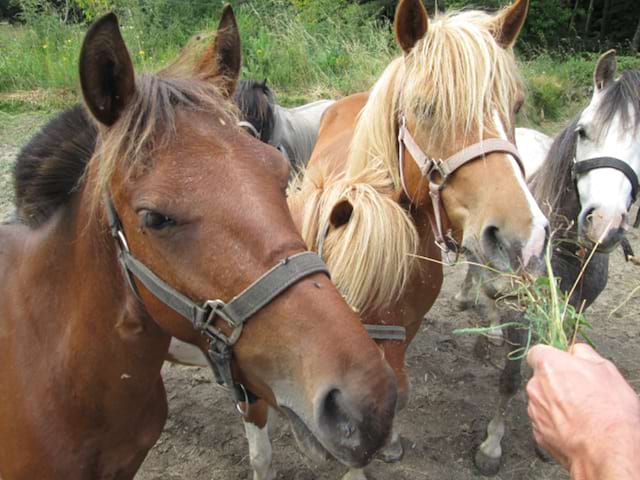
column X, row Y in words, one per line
column 587, row 215
column 334, row 415
column 491, row 241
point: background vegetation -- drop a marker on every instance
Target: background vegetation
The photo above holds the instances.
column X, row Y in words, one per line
column 306, row 49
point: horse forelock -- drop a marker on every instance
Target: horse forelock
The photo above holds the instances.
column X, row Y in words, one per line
column 457, row 77
column 148, row 123
column 256, row 102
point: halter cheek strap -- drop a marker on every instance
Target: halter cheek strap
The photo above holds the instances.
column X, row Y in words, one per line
column 203, row 316
column 429, row 167
column 584, row 166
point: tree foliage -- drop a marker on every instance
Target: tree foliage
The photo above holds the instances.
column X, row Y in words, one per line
column 565, row 25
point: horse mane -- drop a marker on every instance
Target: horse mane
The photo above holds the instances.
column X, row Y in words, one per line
column 148, row 123
column 49, row 167
column 379, row 230
column 256, row 101
column 552, row 186
column 617, row 97
column 456, row 75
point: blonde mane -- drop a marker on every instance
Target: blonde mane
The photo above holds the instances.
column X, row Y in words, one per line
column 370, row 257
column 458, row 76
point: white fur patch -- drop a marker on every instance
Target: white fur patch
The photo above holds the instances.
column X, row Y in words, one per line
column 535, row 243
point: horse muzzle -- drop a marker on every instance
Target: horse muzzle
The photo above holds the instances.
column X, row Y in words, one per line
column 347, row 424
column 601, row 227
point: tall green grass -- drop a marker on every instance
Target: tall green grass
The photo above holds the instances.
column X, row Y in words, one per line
column 560, row 85
column 306, row 49
column 303, row 53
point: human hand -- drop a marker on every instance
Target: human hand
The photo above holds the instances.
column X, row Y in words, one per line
column 581, row 408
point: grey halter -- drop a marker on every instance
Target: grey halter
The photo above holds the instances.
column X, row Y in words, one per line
column 250, row 129
column 429, row 167
column 202, row 316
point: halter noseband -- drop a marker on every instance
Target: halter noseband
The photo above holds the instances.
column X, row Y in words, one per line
column 202, row 316
column 583, row 166
column 445, row 168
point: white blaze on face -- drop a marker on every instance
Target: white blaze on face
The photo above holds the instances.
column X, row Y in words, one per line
column 534, row 245
column 605, row 192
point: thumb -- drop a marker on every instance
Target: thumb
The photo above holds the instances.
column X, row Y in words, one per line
column 584, row 351
column 541, row 353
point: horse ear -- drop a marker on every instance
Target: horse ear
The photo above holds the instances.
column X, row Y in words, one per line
column 106, row 72
column 509, row 22
column 225, row 54
column 411, row 23
column 341, row 213
column 605, row 71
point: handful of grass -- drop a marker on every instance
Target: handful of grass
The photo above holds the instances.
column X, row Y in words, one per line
column 546, row 314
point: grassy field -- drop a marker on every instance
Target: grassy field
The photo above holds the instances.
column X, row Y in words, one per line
column 306, row 50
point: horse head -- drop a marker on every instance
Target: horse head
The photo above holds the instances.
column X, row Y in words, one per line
column 201, row 205
column 607, row 154
column 458, row 91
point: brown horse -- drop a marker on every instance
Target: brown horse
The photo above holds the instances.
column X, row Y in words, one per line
column 375, row 196
column 198, row 210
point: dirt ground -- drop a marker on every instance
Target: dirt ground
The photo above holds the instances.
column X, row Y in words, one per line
column 453, row 393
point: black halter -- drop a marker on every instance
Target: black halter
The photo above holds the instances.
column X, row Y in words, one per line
column 584, row 166
column 202, row 316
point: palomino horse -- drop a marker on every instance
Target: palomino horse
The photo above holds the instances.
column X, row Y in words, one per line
column 176, row 205
column 586, row 185
column 293, row 131
column 372, row 204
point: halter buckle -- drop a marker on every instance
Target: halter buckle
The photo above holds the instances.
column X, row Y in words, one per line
column 215, row 309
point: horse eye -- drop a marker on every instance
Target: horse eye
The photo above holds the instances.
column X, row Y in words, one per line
column 156, row 221
column 518, row 107
column 582, row 133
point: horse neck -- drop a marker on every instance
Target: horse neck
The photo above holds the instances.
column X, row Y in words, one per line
column 102, row 331
column 295, row 132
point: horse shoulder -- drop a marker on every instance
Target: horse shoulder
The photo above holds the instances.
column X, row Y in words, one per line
column 336, row 130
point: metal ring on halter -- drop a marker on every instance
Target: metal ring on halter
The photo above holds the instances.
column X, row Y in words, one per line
column 253, row 131
column 123, row 241
column 247, row 410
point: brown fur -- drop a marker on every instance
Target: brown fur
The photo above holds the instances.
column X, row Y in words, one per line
column 357, row 143
column 81, row 395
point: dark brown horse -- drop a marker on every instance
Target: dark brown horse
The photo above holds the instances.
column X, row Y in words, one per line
column 198, row 205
